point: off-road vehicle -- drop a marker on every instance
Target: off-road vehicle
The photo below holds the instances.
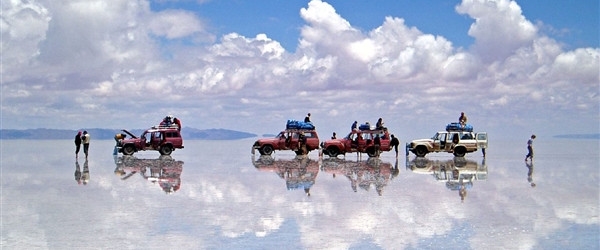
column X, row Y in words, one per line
column 162, row 139
column 362, row 141
column 456, row 142
column 289, row 139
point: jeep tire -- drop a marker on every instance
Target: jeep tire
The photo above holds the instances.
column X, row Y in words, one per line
column 420, row 151
column 128, row 149
column 266, row 150
column 371, row 152
column 166, row 150
column 459, row 151
column 332, row 151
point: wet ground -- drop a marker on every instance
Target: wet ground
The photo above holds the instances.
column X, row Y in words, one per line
column 216, row 195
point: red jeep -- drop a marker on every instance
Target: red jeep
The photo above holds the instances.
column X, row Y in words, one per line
column 361, row 141
column 161, row 139
column 289, row 139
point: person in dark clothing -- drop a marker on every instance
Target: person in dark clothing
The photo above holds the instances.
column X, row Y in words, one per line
column 354, row 126
column 77, row 144
column 334, row 136
column 395, row 143
column 178, row 122
column 530, row 148
column 379, row 124
column 307, row 118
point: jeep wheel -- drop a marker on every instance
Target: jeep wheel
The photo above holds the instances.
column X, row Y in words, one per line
column 128, row 149
column 266, row 150
column 420, row 151
column 333, row 151
column 166, row 150
column 371, row 152
column 459, row 151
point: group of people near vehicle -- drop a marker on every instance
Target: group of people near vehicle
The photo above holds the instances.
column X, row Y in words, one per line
column 84, row 137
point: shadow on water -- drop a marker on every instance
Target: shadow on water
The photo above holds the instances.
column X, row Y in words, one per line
column 458, row 173
column 364, row 174
column 298, row 173
column 164, row 171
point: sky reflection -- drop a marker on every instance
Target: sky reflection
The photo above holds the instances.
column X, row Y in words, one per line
column 233, row 200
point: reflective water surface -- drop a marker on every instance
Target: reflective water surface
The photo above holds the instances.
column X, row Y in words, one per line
column 217, row 195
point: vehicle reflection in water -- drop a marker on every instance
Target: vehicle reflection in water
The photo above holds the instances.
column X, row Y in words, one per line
column 82, row 178
column 164, row 171
column 363, row 174
column 298, row 173
column 459, row 173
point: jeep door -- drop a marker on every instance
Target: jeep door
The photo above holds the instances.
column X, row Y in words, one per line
column 312, row 141
column 440, row 142
column 281, row 141
column 293, row 142
column 482, row 139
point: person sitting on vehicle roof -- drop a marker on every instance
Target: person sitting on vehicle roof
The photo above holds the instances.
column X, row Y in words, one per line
column 307, row 118
column 379, row 124
column 462, row 119
column 167, row 121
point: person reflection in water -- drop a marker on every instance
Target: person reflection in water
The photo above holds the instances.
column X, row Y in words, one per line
column 77, row 173
column 530, row 173
column 85, row 177
column 462, row 192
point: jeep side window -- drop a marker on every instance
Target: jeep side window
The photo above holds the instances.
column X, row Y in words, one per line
column 482, row 137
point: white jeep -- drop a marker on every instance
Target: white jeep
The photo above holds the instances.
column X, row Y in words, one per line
column 457, row 142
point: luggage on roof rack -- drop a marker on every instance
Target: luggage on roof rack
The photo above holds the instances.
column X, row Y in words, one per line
column 165, row 127
column 293, row 124
column 455, row 126
column 365, row 127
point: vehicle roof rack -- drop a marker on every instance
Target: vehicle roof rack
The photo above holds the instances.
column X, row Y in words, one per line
column 173, row 126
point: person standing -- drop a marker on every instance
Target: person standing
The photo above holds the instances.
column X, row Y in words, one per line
column 395, row 143
column 85, row 139
column 77, row 144
column 530, row 148
column 178, row 122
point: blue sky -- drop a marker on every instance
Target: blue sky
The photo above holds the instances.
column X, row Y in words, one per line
column 514, row 68
column 575, row 23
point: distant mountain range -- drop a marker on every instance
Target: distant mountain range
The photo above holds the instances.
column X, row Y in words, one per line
column 109, row 134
